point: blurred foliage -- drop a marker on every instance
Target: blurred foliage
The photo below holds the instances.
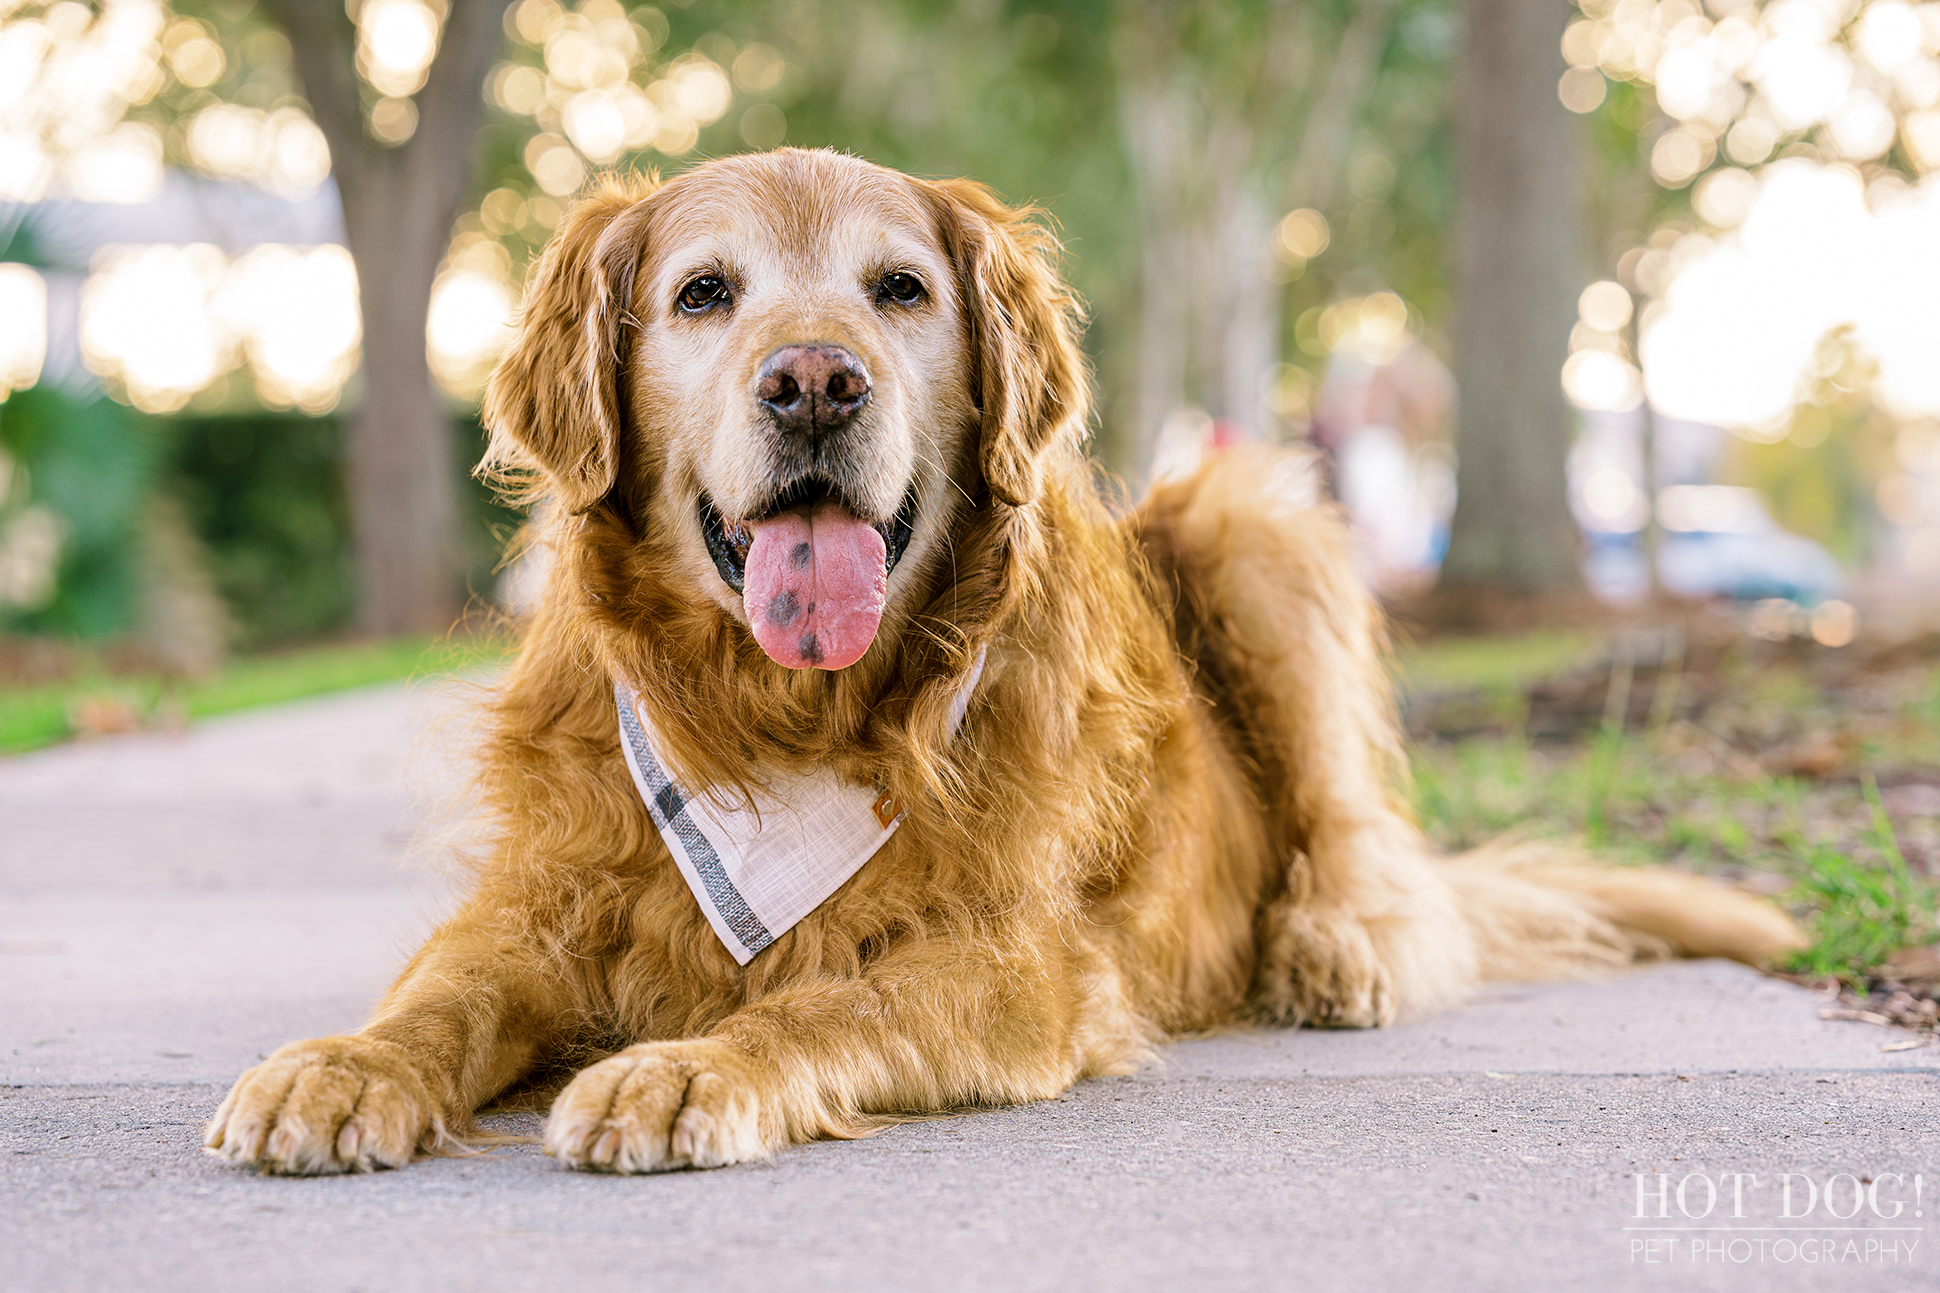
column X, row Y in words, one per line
column 91, row 462
column 1027, row 96
column 255, row 71
column 265, row 494
column 1837, row 442
column 1032, row 97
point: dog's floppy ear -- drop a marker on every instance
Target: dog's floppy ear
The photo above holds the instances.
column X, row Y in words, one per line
column 1028, row 376
column 556, row 401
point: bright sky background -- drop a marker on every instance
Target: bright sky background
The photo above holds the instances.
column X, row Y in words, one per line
column 1803, row 231
column 1734, row 339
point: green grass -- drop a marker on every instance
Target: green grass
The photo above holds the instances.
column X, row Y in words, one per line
column 32, row 717
column 1680, row 794
column 1860, row 914
column 1829, row 854
column 1495, row 664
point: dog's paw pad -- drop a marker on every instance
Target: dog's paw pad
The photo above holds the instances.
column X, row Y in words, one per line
column 1320, row 967
column 337, row 1104
column 660, row 1106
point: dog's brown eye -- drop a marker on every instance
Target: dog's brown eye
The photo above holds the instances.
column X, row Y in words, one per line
column 702, row 293
column 904, row 289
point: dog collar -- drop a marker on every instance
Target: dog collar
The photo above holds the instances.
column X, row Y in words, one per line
column 756, row 870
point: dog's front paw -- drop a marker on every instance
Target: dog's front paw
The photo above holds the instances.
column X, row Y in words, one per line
column 336, row 1104
column 659, row 1106
column 1319, row 966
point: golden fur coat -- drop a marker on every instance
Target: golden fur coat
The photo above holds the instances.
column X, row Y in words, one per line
column 1175, row 803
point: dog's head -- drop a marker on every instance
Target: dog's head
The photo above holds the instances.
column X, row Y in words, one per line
column 784, row 376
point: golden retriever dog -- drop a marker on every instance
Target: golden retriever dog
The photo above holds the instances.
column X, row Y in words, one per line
column 808, row 437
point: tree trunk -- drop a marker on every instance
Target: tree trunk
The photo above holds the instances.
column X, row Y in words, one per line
column 1518, row 234
column 1246, row 338
column 399, row 204
column 1153, row 119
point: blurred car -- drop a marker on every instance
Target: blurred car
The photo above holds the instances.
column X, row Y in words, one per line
column 1718, row 541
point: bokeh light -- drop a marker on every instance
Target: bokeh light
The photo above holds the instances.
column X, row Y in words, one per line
column 146, row 321
column 596, row 94
column 1599, row 374
column 1743, row 79
column 1679, row 155
column 1373, row 329
column 163, row 322
column 1612, row 497
column 1595, row 378
column 194, row 53
column 30, row 551
column 393, row 120
column 1834, row 623
column 282, row 151
column 1724, row 198
column 23, row 330
column 555, row 167
column 472, row 306
column 1604, row 305
column 1582, row 89
column 763, row 125
column 700, row 88
column 758, row 69
column 1300, row 236
column 67, row 78
column 396, row 41
column 1737, row 330
column 124, row 165
column 292, row 312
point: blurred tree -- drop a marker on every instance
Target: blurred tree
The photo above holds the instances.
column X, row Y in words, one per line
column 400, row 197
column 102, row 93
column 1019, row 95
column 1165, row 141
column 1169, row 143
column 1232, row 114
column 1518, row 269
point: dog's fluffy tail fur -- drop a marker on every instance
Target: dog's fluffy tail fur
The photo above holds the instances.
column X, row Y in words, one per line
column 1539, row 911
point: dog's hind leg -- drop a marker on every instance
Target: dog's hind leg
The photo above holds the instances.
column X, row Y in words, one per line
column 1371, row 925
column 1289, row 648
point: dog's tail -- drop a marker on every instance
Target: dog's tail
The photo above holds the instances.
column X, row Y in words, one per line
column 1541, row 911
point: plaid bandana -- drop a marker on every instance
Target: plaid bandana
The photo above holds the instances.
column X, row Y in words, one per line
column 758, row 869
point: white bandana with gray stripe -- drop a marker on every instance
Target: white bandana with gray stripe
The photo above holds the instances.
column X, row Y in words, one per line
column 757, row 870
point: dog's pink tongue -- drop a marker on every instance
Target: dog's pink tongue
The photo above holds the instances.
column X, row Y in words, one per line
column 814, row 587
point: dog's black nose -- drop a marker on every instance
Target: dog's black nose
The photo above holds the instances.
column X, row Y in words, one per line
column 812, row 390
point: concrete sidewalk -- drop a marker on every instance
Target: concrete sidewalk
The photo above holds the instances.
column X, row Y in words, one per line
column 172, row 908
